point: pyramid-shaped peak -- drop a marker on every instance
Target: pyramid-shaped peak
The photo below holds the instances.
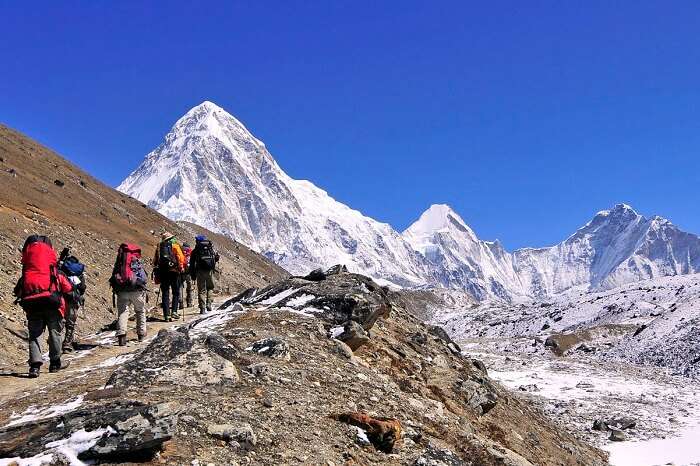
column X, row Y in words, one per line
column 619, row 209
column 205, row 110
column 209, row 120
column 437, row 217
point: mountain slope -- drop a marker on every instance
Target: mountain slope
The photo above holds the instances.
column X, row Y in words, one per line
column 40, row 192
column 212, row 171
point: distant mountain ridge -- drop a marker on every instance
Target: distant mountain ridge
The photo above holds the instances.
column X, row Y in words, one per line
column 210, row 170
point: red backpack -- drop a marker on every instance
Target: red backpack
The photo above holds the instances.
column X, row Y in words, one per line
column 39, row 279
column 128, row 273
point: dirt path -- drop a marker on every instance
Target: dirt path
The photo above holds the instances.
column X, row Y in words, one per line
column 89, row 369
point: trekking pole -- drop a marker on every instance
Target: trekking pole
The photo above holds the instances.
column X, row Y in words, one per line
column 157, row 301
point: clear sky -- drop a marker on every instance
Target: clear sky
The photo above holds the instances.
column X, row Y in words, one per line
column 526, row 117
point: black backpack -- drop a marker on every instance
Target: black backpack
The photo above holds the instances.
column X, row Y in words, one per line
column 166, row 257
column 206, row 257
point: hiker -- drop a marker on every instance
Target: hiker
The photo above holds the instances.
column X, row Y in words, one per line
column 186, row 279
column 169, row 262
column 202, row 267
column 128, row 282
column 74, row 270
column 41, row 291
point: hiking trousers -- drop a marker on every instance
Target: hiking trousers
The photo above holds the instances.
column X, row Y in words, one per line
column 37, row 321
column 71, row 318
column 137, row 299
column 170, row 281
column 185, row 290
column 205, row 285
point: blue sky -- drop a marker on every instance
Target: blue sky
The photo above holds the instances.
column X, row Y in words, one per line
column 526, row 117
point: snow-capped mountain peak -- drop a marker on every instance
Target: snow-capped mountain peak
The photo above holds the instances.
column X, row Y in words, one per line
column 212, row 171
column 438, row 217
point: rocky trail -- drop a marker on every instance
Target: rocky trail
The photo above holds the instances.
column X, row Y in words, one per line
column 98, row 353
column 328, row 369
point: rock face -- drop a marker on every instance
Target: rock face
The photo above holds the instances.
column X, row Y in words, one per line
column 264, row 381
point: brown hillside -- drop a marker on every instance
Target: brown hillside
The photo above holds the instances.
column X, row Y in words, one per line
column 40, row 192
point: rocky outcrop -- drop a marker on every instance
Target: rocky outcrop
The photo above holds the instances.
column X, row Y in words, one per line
column 336, row 298
column 173, row 357
column 123, row 431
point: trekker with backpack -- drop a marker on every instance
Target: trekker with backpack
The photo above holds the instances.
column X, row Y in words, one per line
column 41, row 292
column 169, row 262
column 128, row 282
column 74, row 270
column 202, row 267
column 186, row 279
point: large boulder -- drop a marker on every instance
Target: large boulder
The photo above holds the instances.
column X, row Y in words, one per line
column 382, row 432
column 353, row 335
column 124, row 431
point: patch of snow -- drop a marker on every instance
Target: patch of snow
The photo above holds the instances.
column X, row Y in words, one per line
column 106, row 338
column 79, row 442
column 301, row 300
column 116, row 360
column 337, row 331
column 680, row 450
column 38, row 460
column 272, row 300
column 70, row 447
column 32, row 413
column 362, row 435
column 212, row 321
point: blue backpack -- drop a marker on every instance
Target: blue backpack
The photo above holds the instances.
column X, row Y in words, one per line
column 72, row 267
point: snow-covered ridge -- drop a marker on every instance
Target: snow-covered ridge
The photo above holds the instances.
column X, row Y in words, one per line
column 212, row 171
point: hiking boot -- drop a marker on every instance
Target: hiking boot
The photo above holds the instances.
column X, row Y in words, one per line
column 142, row 337
column 34, row 372
column 175, row 317
column 67, row 349
column 202, row 311
column 122, row 340
column 209, row 308
column 58, row 366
